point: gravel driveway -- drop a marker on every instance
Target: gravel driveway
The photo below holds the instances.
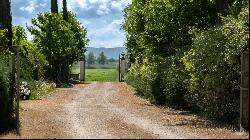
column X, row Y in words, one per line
column 110, row 110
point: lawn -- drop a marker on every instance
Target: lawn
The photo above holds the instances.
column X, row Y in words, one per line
column 101, row 74
column 98, row 74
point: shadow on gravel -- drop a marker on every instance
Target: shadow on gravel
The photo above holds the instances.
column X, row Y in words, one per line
column 199, row 122
column 71, row 84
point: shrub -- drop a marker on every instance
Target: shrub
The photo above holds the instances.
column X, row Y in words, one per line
column 6, row 98
column 214, row 67
column 24, row 90
column 146, row 80
column 36, row 89
column 175, row 81
column 32, row 62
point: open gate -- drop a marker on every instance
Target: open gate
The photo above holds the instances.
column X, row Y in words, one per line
column 123, row 67
column 244, row 92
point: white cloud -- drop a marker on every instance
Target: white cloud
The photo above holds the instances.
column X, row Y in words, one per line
column 72, row 4
column 84, row 21
column 108, row 35
column 103, row 10
column 102, row 18
column 120, row 4
column 30, row 8
column 32, row 5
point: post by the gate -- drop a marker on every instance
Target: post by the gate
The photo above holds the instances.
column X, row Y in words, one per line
column 17, row 83
column 82, row 70
column 244, row 91
column 119, row 68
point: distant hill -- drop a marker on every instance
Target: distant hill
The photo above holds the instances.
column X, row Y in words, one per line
column 109, row 52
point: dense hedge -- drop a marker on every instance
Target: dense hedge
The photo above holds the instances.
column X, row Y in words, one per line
column 7, row 119
column 190, row 62
column 214, row 66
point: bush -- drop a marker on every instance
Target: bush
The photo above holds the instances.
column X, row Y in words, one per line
column 214, row 67
column 6, row 97
column 35, row 89
column 32, row 62
column 175, row 81
column 146, row 80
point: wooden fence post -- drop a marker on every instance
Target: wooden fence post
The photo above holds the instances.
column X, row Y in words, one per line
column 244, row 92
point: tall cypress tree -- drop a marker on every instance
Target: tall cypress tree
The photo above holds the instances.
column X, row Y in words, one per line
column 6, row 19
column 65, row 11
column 54, row 6
column 7, row 119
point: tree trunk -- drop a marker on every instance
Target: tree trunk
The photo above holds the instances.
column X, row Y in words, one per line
column 222, row 6
column 6, row 20
column 65, row 11
column 54, row 6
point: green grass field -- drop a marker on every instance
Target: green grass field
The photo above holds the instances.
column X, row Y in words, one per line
column 101, row 74
column 98, row 74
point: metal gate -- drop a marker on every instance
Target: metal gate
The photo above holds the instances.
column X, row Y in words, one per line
column 123, row 67
column 244, row 92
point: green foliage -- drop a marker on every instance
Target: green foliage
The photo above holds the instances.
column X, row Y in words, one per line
column 213, row 83
column 175, row 81
column 6, row 101
column 160, row 27
column 33, row 62
column 236, row 31
column 91, row 58
column 214, row 67
column 63, row 43
column 35, row 89
column 40, row 89
column 6, row 20
column 198, row 58
column 3, row 39
column 101, row 75
column 102, row 59
column 146, row 80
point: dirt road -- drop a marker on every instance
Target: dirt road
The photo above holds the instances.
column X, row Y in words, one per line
column 110, row 110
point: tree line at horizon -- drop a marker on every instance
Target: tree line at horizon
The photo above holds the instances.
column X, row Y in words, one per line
column 101, row 59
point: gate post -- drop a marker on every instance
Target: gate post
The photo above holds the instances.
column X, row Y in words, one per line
column 17, row 78
column 244, row 91
column 119, row 69
column 82, row 70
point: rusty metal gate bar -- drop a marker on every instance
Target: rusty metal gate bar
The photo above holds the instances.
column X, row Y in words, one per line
column 17, row 84
column 244, row 92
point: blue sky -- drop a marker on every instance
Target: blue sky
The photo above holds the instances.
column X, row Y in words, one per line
column 102, row 18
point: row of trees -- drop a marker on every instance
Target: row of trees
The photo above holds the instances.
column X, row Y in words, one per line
column 59, row 40
column 186, row 53
column 101, row 59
